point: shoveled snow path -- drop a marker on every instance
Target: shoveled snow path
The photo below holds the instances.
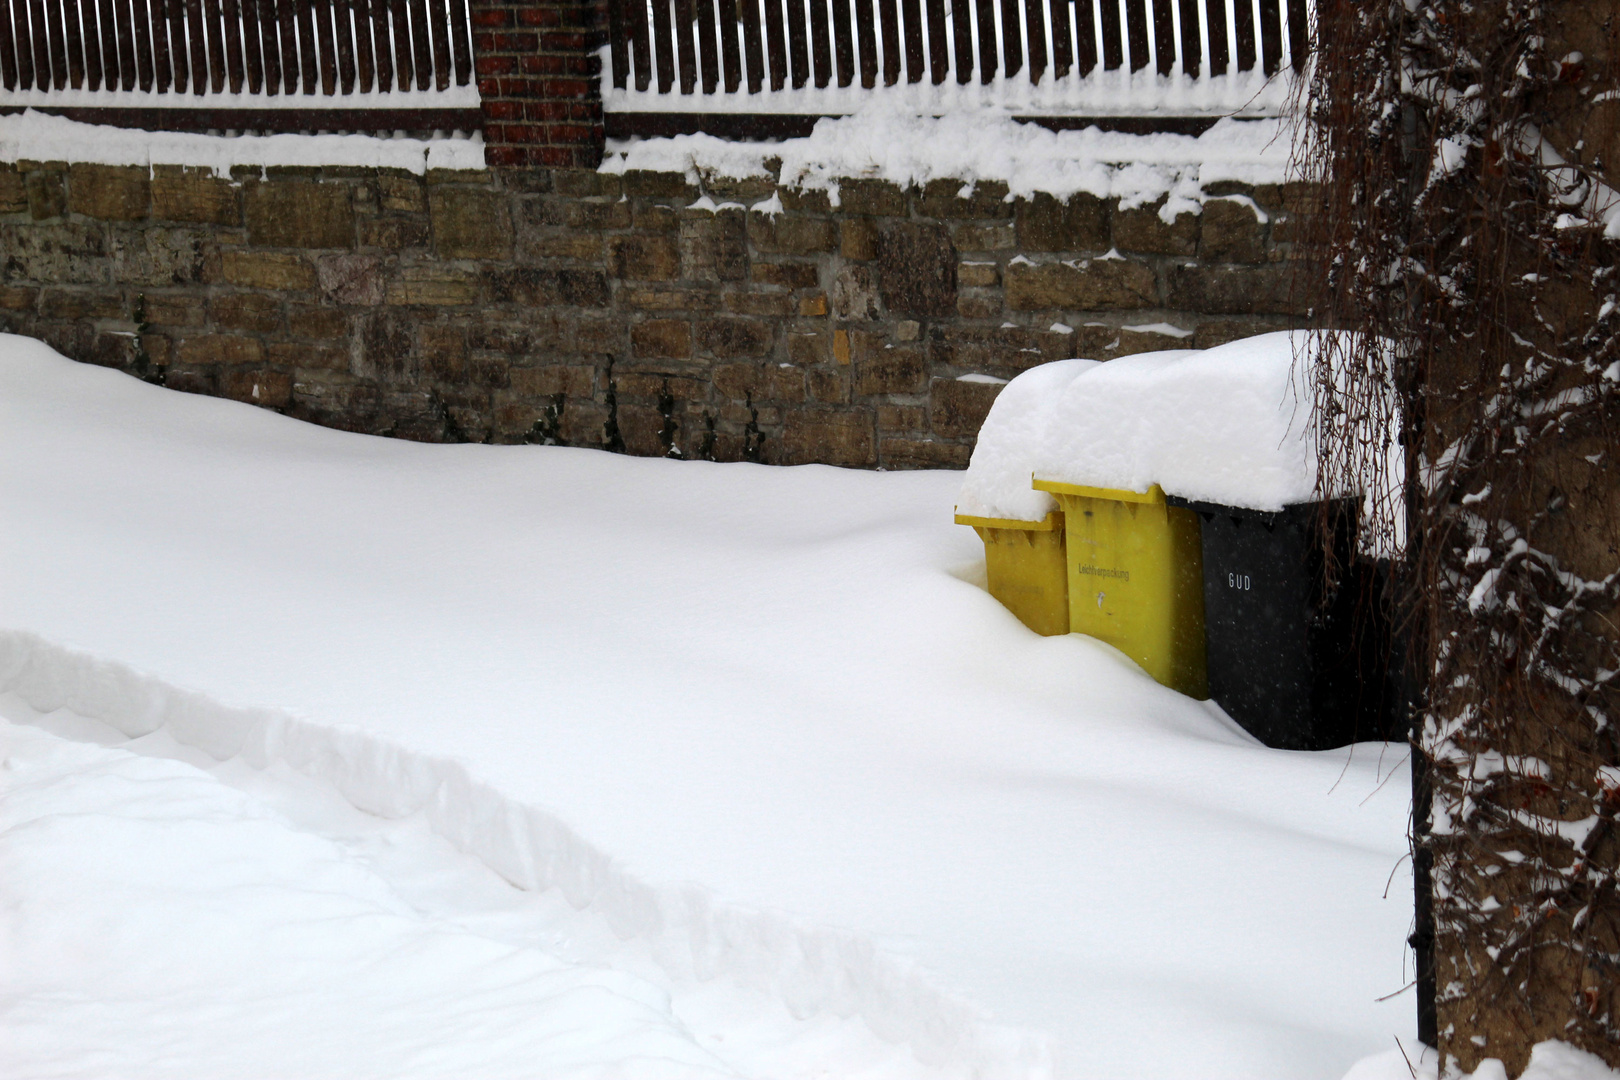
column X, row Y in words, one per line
column 816, row 759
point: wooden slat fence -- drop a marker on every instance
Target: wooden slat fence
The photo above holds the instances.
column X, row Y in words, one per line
column 781, row 44
column 319, row 49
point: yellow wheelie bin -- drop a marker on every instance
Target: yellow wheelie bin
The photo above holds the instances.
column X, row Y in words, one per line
column 1135, row 572
column 1024, row 564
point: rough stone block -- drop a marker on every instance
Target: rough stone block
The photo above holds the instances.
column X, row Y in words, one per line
column 765, row 305
column 658, row 185
column 47, row 194
column 907, row 418
column 17, row 299
column 644, row 258
column 309, row 357
column 393, row 234
column 1231, row 232
column 156, row 256
column 923, row 454
column 683, row 300
column 957, row 409
column 61, row 254
column 785, row 275
column 978, row 274
column 298, row 214
column 81, row 304
column 351, row 279
column 811, row 307
column 443, row 353
column 734, row 338
column 574, row 380
column 954, row 199
column 854, row 294
column 469, row 223
column 219, row 349
column 1141, row 229
column 808, row 349
column 196, row 196
column 1213, row 332
column 175, row 310
column 252, row 313
column 559, row 245
column 759, row 382
column 669, row 338
column 109, row 192
column 858, row 239
column 266, row 270
column 387, row 347
column 894, row 370
column 832, row 436
column 878, row 197
column 401, row 193
column 318, row 323
column 542, row 334
column 13, row 196
column 714, row 247
column 971, row 237
column 433, row 286
column 1080, row 224
column 271, row 389
column 829, row 385
column 585, row 183
column 978, row 307
column 656, row 218
column 541, row 288
column 1092, row 285
column 917, row 269
column 1131, row 342
column 805, row 200
column 790, row 234
column 1234, row 290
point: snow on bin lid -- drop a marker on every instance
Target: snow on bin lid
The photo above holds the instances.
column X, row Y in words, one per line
column 1228, row 425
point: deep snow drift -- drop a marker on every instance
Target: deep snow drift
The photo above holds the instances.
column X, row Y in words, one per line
column 762, row 723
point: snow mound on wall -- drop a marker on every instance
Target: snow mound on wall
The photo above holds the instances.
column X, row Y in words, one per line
column 1228, row 425
column 909, row 150
column 36, row 136
column 811, row 970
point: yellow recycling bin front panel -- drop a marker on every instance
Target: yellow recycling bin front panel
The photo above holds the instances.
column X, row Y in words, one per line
column 1024, row 565
column 1136, row 579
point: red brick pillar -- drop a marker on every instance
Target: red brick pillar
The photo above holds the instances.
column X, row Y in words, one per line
column 539, row 77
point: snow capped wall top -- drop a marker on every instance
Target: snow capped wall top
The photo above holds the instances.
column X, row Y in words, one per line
column 908, row 149
column 1230, row 425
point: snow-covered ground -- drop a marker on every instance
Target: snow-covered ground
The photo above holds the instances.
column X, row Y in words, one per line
column 783, row 790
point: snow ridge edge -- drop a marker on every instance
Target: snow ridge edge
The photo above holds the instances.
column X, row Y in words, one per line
column 812, row 970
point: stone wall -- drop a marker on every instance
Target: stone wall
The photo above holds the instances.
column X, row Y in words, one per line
column 568, row 306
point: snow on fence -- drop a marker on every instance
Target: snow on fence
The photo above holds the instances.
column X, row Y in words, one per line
column 1046, row 58
column 261, row 65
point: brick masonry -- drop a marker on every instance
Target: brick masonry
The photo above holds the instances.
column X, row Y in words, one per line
column 567, row 306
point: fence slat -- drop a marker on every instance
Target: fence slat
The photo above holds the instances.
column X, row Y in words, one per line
column 280, row 58
column 1136, row 33
column 1270, row 36
column 461, row 42
column 1113, row 47
column 939, row 51
column 140, row 13
column 343, row 24
column 911, row 18
column 1012, row 49
column 1298, row 34
column 635, row 12
column 730, row 59
column 107, row 32
column 986, row 12
column 127, row 67
column 962, row 40
column 89, row 28
column 382, row 45
column 1164, row 37
column 664, row 44
column 1192, row 44
column 1243, row 28
column 685, row 54
column 753, row 46
column 162, row 65
column 216, row 45
column 1062, row 39
column 798, row 46
column 252, row 46
column 843, row 42
column 439, row 33
column 179, row 49
column 27, row 55
column 820, row 46
column 618, row 43
column 327, row 45
column 708, row 46
column 1035, row 31
column 305, row 24
column 75, row 43
column 1220, row 47
column 1085, row 45
column 775, row 43
column 8, row 45
column 889, row 25
column 233, row 45
column 866, row 42
column 365, row 63
column 421, row 44
column 292, row 66
column 56, row 46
